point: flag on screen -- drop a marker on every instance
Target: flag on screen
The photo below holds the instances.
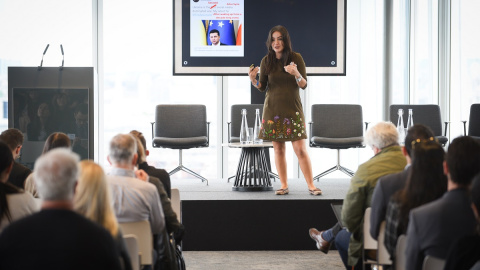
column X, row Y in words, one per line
column 226, row 29
column 239, row 35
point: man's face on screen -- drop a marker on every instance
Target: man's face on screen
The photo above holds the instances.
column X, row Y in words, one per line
column 214, row 38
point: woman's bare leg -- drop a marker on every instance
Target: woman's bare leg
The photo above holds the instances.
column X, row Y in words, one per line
column 281, row 162
column 304, row 161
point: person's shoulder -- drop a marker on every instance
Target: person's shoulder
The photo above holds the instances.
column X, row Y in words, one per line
column 297, row 56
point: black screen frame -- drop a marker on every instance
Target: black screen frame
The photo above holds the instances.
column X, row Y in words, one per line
column 305, row 40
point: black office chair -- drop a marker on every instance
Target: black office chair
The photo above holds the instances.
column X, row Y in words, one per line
column 426, row 114
column 336, row 126
column 181, row 127
column 473, row 122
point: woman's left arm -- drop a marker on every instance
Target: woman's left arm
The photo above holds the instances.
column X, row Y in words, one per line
column 298, row 70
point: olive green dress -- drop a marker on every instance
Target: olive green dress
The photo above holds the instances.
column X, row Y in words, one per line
column 283, row 118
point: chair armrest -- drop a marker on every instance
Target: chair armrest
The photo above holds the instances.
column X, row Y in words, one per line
column 464, row 128
column 208, row 134
column 153, row 136
column 229, row 131
column 366, row 125
column 446, row 126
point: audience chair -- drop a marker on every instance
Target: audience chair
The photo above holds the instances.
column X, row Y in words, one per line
column 433, row 263
column 383, row 257
column 336, row 126
column 181, row 127
column 176, row 203
column 368, row 242
column 143, row 232
column 473, row 122
column 131, row 244
column 428, row 115
column 400, row 258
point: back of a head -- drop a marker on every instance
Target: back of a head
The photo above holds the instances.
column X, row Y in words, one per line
column 141, row 146
column 463, row 160
column 56, row 140
column 122, row 149
column 92, row 196
column 12, row 137
column 417, row 132
column 6, row 157
column 140, row 136
column 381, row 135
column 55, row 174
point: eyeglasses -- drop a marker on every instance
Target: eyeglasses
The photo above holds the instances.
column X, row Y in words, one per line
column 418, row 141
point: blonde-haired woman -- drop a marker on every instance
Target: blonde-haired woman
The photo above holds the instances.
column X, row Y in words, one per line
column 93, row 200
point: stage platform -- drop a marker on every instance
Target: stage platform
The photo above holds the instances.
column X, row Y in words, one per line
column 217, row 218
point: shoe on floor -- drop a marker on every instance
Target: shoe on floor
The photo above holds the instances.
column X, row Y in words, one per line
column 322, row 244
column 282, row 191
column 315, row 192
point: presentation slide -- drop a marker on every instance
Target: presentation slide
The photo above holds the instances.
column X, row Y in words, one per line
column 216, row 28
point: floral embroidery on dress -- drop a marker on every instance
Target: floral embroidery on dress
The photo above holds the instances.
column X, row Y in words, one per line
column 286, row 128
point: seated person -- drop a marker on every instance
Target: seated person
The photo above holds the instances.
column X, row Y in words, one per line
column 92, row 200
column 150, row 170
column 42, row 124
column 388, row 159
column 14, row 202
column 388, row 185
column 465, row 252
column 426, row 183
column 432, row 228
column 14, row 139
column 57, row 237
column 55, row 140
column 133, row 200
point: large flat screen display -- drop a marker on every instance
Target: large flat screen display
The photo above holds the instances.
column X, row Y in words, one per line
column 226, row 37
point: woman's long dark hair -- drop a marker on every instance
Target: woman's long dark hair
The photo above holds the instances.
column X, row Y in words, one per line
column 6, row 160
column 287, row 48
column 426, row 181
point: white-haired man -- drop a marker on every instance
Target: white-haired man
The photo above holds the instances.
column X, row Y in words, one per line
column 387, row 159
column 57, row 237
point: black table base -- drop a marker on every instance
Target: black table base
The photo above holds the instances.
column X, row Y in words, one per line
column 253, row 173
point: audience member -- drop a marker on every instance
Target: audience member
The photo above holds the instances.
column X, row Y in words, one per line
column 57, row 237
column 79, row 129
column 14, row 139
column 426, row 182
column 465, row 252
column 62, row 114
column 92, row 200
column 433, row 227
column 41, row 125
column 133, row 199
column 14, row 203
column 389, row 184
column 171, row 222
column 55, row 140
column 388, row 159
column 150, row 170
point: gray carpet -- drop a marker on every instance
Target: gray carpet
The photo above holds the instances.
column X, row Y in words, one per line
column 262, row 260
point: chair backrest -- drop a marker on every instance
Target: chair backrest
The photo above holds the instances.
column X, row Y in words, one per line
column 383, row 257
column 337, row 120
column 432, row 263
column 131, row 243
column 176, row 203
column 474, row 121
column 143, row 232
column 400, row 258
column 180, row 121
column 368, row 241
column 426, row 114
column 236, row 118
